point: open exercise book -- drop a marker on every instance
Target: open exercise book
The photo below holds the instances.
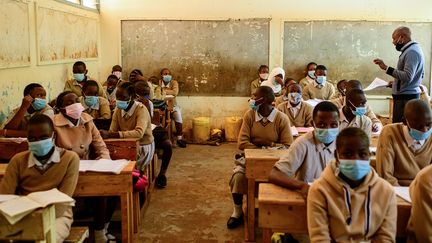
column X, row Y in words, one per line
column 14, row 207
column 103, row 165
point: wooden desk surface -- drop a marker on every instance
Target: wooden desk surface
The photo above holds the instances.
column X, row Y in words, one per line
column 259, row 162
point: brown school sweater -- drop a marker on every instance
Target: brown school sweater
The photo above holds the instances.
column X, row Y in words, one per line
column 22, row 180
column 395, row 161
column 312, row 92
column 104, row 111
column 420, row 223
column 303, row 117
column 338, row 213
column 278, row 131
column 138, row 125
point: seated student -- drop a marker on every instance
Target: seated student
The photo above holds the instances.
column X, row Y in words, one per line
column 110, row 89
column 350, row 202
column 275, row 80
column 131, row 119
column 309, row 154
column 284, row 97
column 159, row 133
column 405, row 148
column 158, row 93
column 263, row 72
column 310, row 75
column 320, row 88
column 34, row 102
column 419, row 225
column 298, row 111
column 42, row 168
column 263, row 126
column 136, row 75
column 340, row 102
column 353, row 112
column 79, row 70
column 117, row 71
column 341, row 89
column 94, row 105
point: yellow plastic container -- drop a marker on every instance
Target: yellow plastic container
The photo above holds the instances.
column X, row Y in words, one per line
column 232, row 128
column 201, row 129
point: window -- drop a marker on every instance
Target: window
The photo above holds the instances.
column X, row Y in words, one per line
column 92, row 4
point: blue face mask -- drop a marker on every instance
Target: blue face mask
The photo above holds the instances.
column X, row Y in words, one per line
column 326, row 136
column 311, row 74
column 42, row 147
column 38, row 104
column 354, row 169
column 122, row 105
column 91, row 101
column 419, row 135
column 167, row 78
column 359, row 111
column 79, row 77
column 253, row 104
column 321, row 80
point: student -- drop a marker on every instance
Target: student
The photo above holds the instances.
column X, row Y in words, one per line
column 263, row 126
column 353, row 112
column 136, row 75
column 42, row 168
column 153, row 82
column 320, row 88
column 170, row 86
column 79, row 79
column 350, row 202
column 131, row 119
column 406, row 148
column 419, row 224
column 263, row 72
column 284, row 97
column 298, row 111
column 33, row 103
column 307, row 157
column 340, row 102
column 275, row 80
column 341, row 89
column 159, row 133
column 110, row 89
column 310, row 75
column 94, row 105
column 117, row 71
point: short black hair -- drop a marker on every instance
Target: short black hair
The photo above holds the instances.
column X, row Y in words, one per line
column 309, row 64
column 354, row 84
column 80, row 63
column 90, row 83
column 59, row 100
column 129, row 87
column 267, row 93
column 340, row 81
column 112, row 76
column 29, row 88
column 153, row 79
column 321, row 67
column 288, row 80
column 117, row 67
column 353, row 92
column 262, row 67
column 41, row 119
column 351, row 132
column 325, row 106
column 163, row 69
column 144, row 86
column 137, row 71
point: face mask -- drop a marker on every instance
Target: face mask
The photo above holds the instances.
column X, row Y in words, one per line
column 321, row 80
column 311, row 74
column 122, row 105
column 42, row 147
column 294, row 98
column 354, row 169
column 91, row 101
column 398, row 45
column 118, row 74
column 74, row 111
column 79, row 77
column 253, row 104
column 359, row 111
column 38, row 104
column 167, row 78
column 263, row 76
column 419, row 135
column 326, row 136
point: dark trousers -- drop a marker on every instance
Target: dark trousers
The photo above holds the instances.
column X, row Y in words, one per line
column 399, row 102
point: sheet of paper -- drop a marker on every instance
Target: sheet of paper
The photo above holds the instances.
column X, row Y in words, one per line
column 103, row 165
column 313, row 102
column 294, row 132
column 53, row 196
column 377, row 83
column 403, row 192
column 7, row 197
column 153, row 126
column 16, row 209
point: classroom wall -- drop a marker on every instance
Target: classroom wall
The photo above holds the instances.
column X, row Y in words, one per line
column 51, row 76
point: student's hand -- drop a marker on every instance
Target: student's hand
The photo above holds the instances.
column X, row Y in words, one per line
column 27, row 101
column 376, row 127
column 104, row 134
column 304, row 190
column 380, row 63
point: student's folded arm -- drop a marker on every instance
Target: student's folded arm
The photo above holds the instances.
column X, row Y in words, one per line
column 141, row 124
column 412, row 60
column 98, row 143
column 244, row 138
column 69, row 182
column 421, row 214
column 104, row 109
column 387, row 231
column 317, row 217
column 10, row 181
column 385, row 158
column 15, row 133
column 174, row 90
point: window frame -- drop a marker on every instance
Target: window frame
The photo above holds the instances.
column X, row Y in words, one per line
column 81, row 5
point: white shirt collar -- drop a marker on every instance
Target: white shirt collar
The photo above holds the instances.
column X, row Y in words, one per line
column 55, row 158
column 270, row 117
column 130, row 112
column 415, row 144
column 317, row 85
column 354, row 122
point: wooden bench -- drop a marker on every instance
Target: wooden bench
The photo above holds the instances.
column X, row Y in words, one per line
column 77, row 235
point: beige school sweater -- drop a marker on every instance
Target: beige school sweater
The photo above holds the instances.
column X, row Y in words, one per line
column 340, row 102
column 420, row 223
column 338, row 213
column 278, row 131
column 254, row 85
column 313, row 92
column 303, row 117
column 172, row 88
column 134, row 124
column 103, row 111
column 395, row 161
column 74, row 86
column 22, row 180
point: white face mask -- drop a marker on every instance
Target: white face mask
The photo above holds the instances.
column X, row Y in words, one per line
column 264, row 76
column 118, row 74
column 294, row 98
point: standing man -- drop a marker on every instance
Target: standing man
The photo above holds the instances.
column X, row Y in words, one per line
column 408, row 74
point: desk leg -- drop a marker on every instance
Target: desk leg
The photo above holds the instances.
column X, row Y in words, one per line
column 126, row 219
column 267, row 234
column 250, row 211
column 136, row 211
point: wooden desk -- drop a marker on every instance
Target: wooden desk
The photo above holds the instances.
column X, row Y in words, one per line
column 94, row 184
column 8, row 149
column 122, row 148
column 283, row 210
column 259, row 163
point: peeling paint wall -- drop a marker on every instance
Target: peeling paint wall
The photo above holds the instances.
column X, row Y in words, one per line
column 52, row 76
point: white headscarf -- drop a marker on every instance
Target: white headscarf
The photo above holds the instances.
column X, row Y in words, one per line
column 271, row 82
